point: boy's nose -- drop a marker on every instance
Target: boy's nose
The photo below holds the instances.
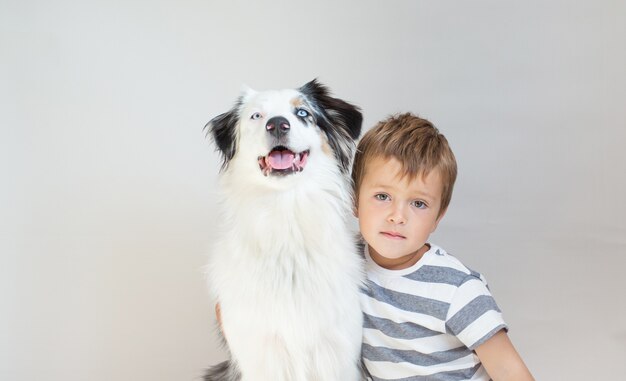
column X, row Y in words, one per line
column 397, row 215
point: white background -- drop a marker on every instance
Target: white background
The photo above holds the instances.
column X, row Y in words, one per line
column 107, row 181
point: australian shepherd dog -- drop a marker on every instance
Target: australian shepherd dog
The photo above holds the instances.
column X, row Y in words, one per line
column 285, row 268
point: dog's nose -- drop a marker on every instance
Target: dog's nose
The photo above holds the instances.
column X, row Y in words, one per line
column 277, row 126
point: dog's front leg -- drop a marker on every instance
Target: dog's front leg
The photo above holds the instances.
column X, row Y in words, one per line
column 334, row 359
column 267, row 359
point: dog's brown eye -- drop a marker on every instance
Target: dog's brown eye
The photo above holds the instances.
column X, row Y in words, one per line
column 255, row 116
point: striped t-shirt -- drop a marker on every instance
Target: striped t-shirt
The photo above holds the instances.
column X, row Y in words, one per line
column 423, row 322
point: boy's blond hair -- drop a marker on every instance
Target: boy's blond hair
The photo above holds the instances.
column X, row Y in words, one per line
column 416, row 144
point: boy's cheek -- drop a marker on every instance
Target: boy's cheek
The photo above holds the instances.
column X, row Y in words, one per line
column 439, row 220
column 355, row 207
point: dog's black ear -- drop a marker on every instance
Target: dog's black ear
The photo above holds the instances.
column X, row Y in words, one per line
column 222, row 130
column 340, row 120
column 341, row 113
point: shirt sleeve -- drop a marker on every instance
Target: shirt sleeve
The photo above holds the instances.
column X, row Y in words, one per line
column 474, row 316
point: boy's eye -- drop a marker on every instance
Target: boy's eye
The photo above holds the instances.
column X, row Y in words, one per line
column 419, row 204
column 381, row 197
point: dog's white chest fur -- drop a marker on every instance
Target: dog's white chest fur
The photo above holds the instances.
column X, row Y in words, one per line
column 285, row 269
column 287, row 275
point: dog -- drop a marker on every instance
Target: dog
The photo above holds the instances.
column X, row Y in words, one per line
column 285, row 268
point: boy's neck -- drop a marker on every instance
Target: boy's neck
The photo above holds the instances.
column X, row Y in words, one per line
column 400, row 263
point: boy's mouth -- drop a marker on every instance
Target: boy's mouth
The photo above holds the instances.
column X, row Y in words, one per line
column 393, row 235
column 283, row 161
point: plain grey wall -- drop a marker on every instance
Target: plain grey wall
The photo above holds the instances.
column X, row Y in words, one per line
column 107, row 181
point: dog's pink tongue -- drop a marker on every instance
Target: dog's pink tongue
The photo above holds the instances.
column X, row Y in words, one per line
column 281, row 159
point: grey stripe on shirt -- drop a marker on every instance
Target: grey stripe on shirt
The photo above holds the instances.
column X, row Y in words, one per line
column 411, row 356
column 470, row 313
column 453, row 375
column 438, row 274
column 408, row 302
column 407, row 330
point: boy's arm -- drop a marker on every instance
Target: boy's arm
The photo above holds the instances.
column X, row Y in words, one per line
column 501, row 360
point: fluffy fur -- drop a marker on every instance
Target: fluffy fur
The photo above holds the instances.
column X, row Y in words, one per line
column 285, row 267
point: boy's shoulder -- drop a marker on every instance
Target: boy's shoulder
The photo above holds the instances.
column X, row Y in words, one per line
column 440, row 266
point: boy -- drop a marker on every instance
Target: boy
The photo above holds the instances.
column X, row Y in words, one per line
column 426, row 315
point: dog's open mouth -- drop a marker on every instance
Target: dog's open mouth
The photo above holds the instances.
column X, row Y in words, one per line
column 283, row 161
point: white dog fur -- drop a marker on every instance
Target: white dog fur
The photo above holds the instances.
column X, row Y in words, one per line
column 285, row 268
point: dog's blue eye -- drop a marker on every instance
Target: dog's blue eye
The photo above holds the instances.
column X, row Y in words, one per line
column 255, row 116
column 302, row 113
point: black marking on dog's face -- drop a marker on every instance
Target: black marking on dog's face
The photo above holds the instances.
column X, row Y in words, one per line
column 340, row 120
column 222, row 129
column 303, row 115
